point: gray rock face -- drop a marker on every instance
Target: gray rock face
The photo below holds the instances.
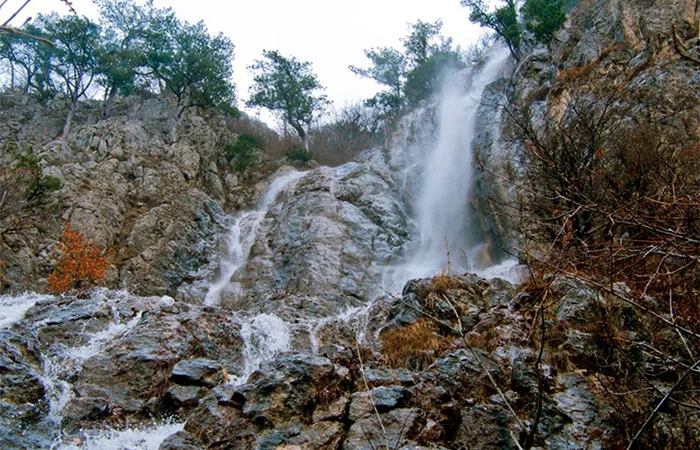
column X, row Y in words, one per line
column 197, row 372
column 316, row 248
column 111, row 357
column 23, row 406
column 181, row 441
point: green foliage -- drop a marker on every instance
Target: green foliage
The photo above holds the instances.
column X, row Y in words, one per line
column 426, row 78
column 193, row 65
column 298, row 154
column 74, row 62
column 29, row 61
column 76, row 41
column 135, row 47
column 121, row 59
column 26, row 161
column 244, row 153
column 27, row 168
column 388, row 69
column 289, row 86
column 411, row 74
column 46, row 185
column 503, row 20
column 543, row 18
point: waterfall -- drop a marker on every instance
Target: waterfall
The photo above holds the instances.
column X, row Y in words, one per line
column 241, row 237
column 264, row 336
column 444, row 219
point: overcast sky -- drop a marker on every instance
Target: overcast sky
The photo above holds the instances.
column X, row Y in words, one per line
column 331, row 34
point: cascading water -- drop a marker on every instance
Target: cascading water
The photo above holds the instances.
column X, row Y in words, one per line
column 13, row 308
column 61, row 363
column 437, row 180
column 444, row 218
column 264, row 336
column 241, row 236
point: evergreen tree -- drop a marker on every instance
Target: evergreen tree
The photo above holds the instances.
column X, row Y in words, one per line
column 289, row 86
column 74, row 64
column 503, row 20
column 543, row 18
column 413, row 73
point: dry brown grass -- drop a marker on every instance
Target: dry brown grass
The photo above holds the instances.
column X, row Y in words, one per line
column 443, row 283
column 414, row 347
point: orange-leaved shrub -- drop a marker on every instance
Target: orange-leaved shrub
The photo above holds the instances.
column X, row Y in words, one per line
column 81, row 264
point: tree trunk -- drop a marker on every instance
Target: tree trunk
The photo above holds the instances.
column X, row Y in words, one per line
column 69, row 118
column 179, row 113
column 25, row 93
column 110, row 96
column 300, row 130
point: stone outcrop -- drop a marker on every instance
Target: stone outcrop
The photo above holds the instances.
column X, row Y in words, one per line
column 131, row 358
column 617, row 52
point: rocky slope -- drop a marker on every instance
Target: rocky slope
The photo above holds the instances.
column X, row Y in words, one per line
column 637, row 61
column 455, row 362
column 157, row 204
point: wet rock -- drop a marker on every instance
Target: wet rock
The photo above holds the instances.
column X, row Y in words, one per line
column 382, row 398
column 20, row 381
column 581, row 410
column 484, row 427
column 288, row 386
column 197, row 372
column 229, row 395
column 185, row 396
column 23, row 406
column 123, row 348
column 334, row 410
column 316, row 248
column 24, row 427
column 580, row 303
column 181, row 440
column 84, row 409
column 397, row 428
column 383, row 376
column 295, row 437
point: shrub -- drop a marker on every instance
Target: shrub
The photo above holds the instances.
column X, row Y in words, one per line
column 26, row 169
column 298, row 154
column 82, row 264
column 45, row 185
column 244, row 153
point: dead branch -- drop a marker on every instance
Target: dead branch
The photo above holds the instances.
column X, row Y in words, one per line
column 661, row 404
